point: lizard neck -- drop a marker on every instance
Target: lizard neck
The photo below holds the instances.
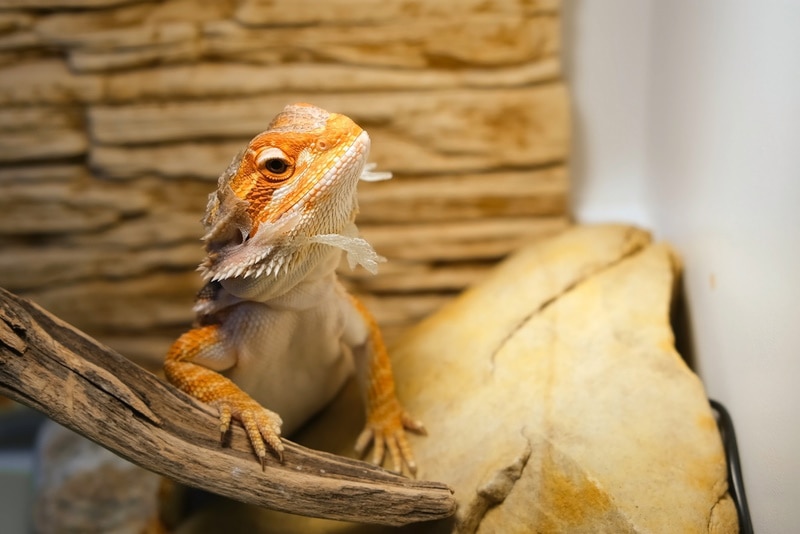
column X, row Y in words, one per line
column 317, row 263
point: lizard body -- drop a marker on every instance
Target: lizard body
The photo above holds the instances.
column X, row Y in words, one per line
column 277, row 335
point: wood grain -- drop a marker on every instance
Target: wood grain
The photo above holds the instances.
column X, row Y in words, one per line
column 52, row 367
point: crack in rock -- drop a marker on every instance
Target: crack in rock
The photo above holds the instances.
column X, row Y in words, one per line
column 584, row 277
column 494, row 490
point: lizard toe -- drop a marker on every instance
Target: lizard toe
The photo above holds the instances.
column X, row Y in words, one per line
column 224, row 420
column 405, row 452
column 394, row 453
column 269, row 427
column 254, row 434
column 378, row 448
column 389, row 436
column 414, row 425
column 363, row 441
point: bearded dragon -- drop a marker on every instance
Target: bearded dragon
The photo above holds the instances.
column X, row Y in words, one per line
column 276, row 334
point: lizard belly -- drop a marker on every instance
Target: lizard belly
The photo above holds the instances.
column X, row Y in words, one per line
column 292, row 360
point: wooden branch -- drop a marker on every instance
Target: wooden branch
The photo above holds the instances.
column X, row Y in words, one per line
column 56, row 369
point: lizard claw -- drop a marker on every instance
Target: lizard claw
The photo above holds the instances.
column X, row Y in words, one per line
column 263, row 426
column 390, row 434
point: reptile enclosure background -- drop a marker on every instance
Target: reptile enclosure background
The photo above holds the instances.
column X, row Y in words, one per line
column 116, row 117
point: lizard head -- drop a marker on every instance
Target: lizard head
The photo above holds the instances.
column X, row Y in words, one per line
column 293, row 185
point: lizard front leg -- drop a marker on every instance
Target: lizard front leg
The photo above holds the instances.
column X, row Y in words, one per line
column 184, row 368
column 387, row 420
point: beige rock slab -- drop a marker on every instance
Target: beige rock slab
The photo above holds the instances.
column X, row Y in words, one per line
column 41, row 133
column 53, row 4
column 461, row 240
column 554, row 399
column 40, row 173
column 51, row 81
column 422, row 132
column 590, row 421
column 477, row 40
column 126, row 26
column 31, row 268
column 62, row 207
column 394, row 35
column 253, row 12
column 140, row 304
column 205, row 160
column 531, row 192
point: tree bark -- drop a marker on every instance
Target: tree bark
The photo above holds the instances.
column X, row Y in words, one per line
column 52, row 367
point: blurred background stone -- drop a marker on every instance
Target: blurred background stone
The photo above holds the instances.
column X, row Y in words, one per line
column 81, row 487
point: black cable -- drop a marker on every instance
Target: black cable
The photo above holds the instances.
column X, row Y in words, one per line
column 735, row 478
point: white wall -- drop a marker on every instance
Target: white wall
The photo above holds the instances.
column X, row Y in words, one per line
column 688, row 122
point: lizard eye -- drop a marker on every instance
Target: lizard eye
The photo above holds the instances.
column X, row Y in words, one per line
column 274, row 164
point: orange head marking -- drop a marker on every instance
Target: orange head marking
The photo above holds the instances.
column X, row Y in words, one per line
column 283, row 166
